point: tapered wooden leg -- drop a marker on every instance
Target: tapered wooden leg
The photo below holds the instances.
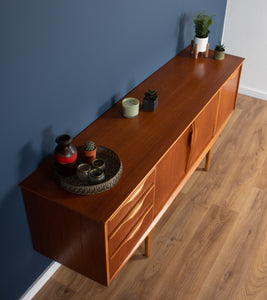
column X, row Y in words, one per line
column 148, row 244
column 196, row 51
column 207, row 50
column 192, row 47
column 208, row 159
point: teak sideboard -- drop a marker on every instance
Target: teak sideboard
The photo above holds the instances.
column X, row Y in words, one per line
column 96, row 235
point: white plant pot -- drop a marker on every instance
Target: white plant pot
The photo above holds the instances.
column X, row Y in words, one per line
column 202, row 43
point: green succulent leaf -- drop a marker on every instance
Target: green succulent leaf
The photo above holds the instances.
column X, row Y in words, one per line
column 151, row 95
column 220, row 47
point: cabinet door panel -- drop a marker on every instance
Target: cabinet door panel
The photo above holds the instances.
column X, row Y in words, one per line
column 203, row 130
column 228, row 98
column 170, row 170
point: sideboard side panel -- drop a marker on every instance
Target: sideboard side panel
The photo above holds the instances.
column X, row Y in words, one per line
column 67, row 237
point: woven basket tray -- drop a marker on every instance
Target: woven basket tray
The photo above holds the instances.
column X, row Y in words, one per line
column 113, row 173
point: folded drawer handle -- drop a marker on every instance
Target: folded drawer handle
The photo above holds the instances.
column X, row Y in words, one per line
column 132, row 214
column 192, row 138
column 134, row 194
column 189, row 140
column 132, row 198
column 133, row 232
column 194, row 134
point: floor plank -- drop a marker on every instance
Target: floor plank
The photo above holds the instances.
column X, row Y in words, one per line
column 232, row 264
column 212, row 242
column 190, row 270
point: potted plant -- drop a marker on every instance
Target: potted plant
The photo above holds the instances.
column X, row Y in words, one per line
column 202, row 23
column 150, row 101
column 90, row 151
column 219, row 52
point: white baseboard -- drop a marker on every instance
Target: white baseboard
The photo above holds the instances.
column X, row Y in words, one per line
column 40, row 281
column 252, row 92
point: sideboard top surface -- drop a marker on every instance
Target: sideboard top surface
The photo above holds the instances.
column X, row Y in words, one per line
column 185, row 86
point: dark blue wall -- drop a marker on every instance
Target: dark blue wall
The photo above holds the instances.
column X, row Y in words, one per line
column 63, row 63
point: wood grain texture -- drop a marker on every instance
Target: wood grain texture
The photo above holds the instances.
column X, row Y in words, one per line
column 212, row 242
column 171, row 142
column 203, row 129
column 170, row 170
column 75, row 241
column 237, row 251
column 185, row 87
column 228, row 93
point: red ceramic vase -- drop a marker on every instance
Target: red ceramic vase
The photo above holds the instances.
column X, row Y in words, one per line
column 65, row 154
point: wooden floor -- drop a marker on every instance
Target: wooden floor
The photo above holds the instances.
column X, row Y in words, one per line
column 212, row 242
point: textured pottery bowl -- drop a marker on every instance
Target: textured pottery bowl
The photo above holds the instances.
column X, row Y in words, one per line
column 83, row 171
column 99, row 164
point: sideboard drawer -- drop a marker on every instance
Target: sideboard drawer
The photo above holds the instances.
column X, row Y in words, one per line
column 118, row 235
column 130, row 202
column 122, row 254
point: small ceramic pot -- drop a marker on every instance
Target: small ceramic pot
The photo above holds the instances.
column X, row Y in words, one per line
column 90, row 156
column 83, row 171
column 150, row 105
column 219, row 55
column 130, row 107
column 99, row 164
column 96, row 176
column 202, row 43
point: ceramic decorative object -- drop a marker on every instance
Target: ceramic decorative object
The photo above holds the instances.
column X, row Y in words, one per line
column 150, row 101
column 219, row 52
column 96, row 175
column 219, row 55
column 112, row 173
column 65, row 154
column 130, row 107
column 90, row 151
column 83, row 172
column 99, row 164
column 202, row 43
